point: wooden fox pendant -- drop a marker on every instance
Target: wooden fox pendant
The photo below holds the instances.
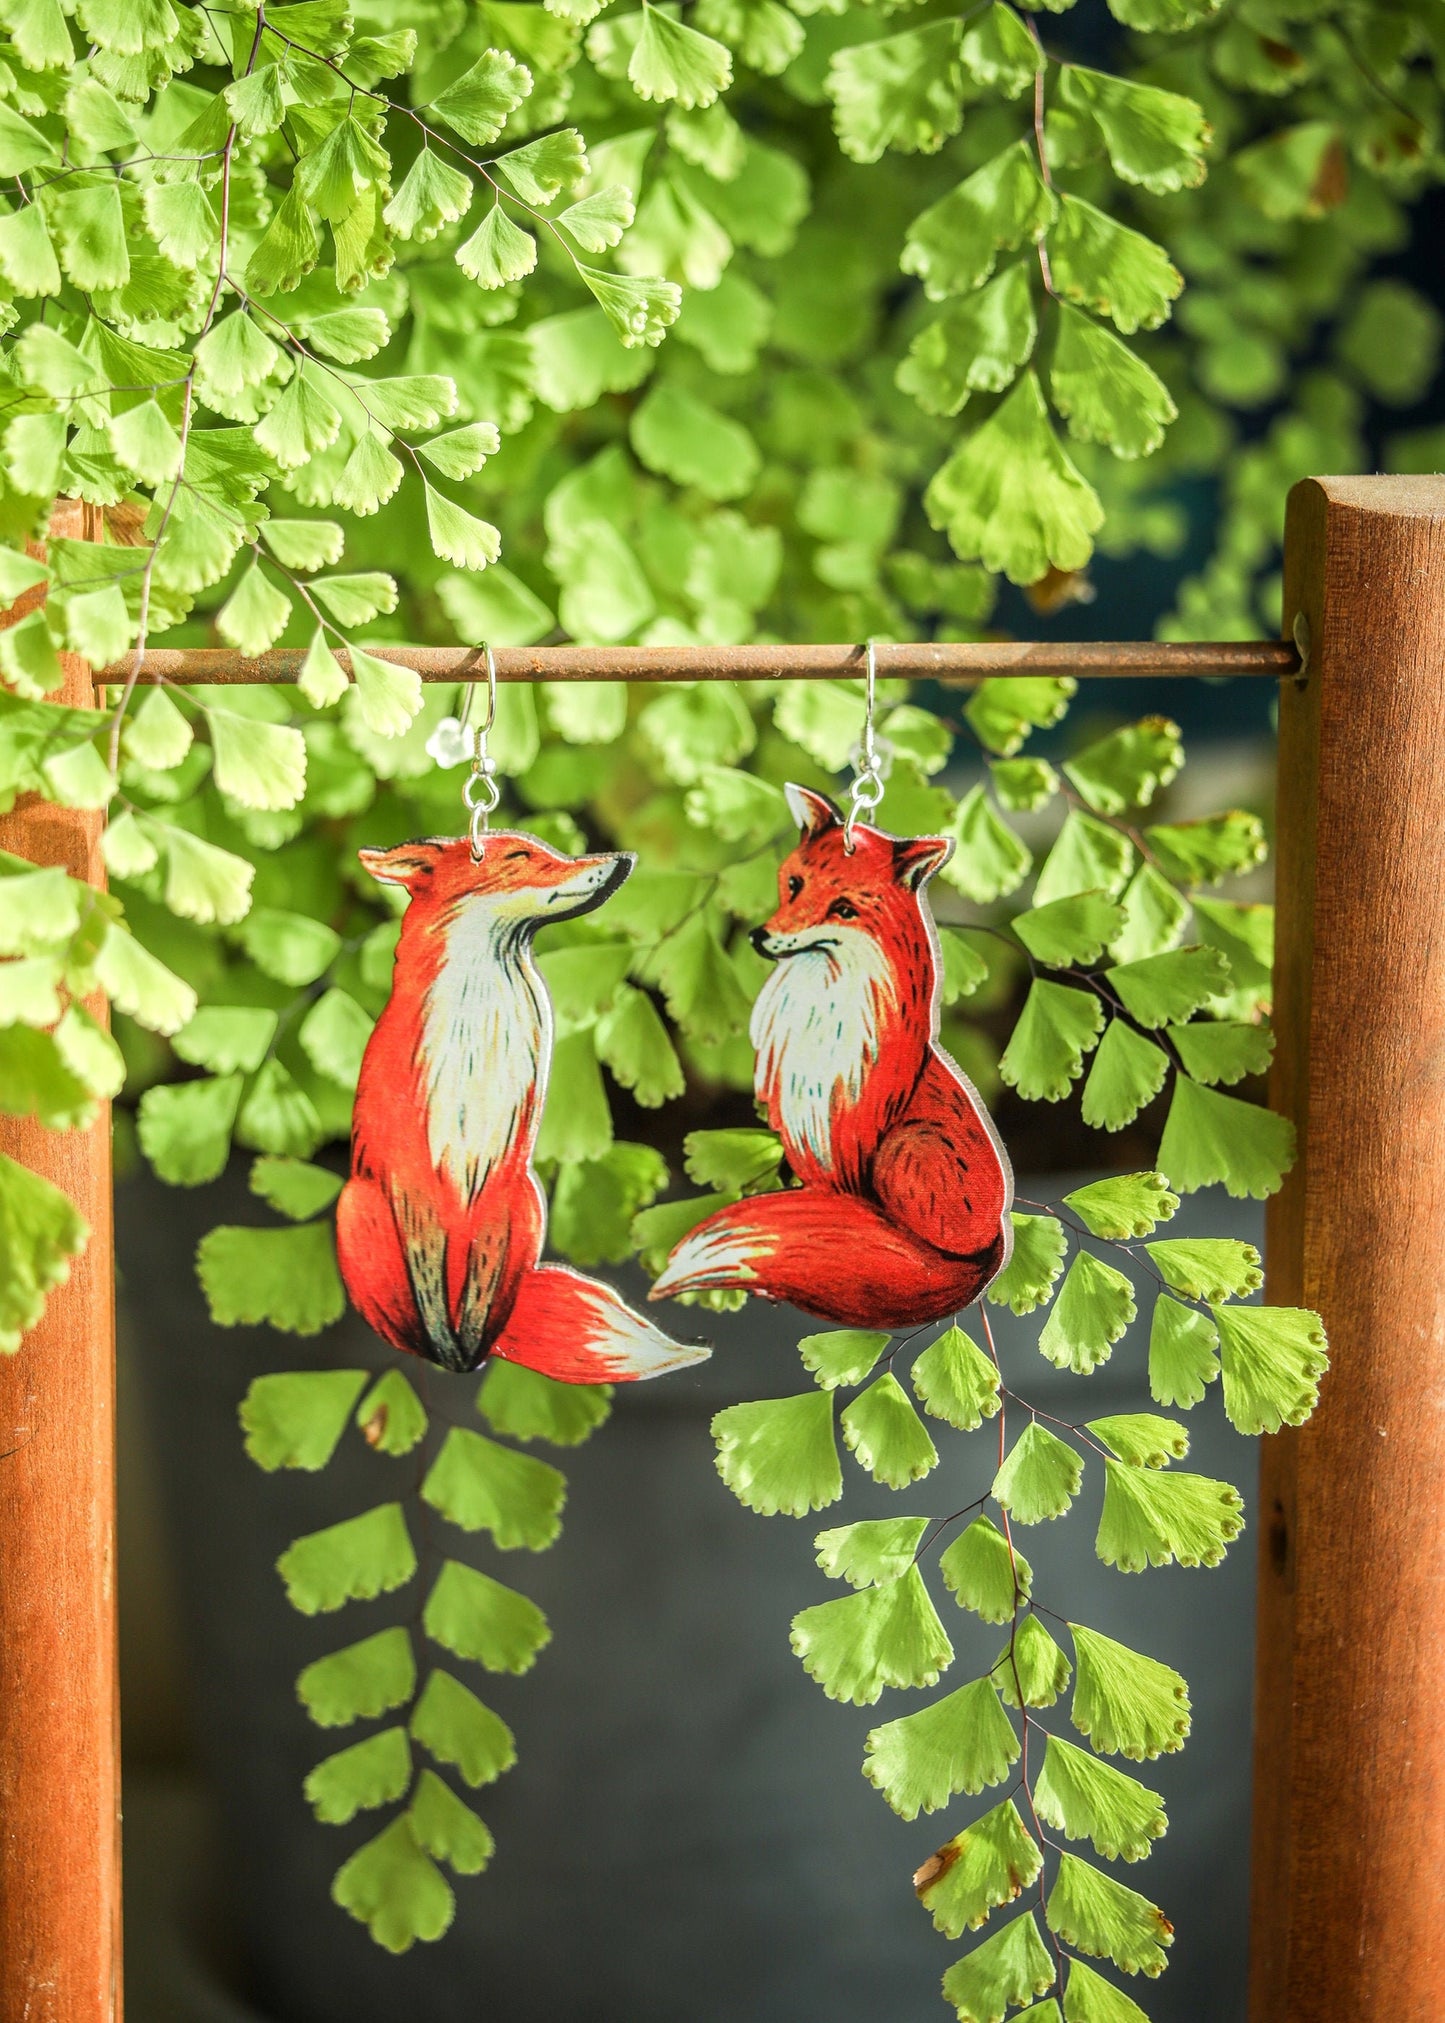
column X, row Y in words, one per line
column 440, row 1227
column 902, row 1214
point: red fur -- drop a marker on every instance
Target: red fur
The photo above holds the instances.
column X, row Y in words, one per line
column 438, row 1270
column 904, row 1217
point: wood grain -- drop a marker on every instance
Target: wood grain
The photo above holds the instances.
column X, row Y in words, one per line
column 59, row 1743
column 1349, row 1831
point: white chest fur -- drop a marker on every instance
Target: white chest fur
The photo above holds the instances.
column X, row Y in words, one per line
column 486, row 1030
column 815, row 1027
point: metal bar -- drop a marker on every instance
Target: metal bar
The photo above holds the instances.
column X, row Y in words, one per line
column 1349, row 1807
column 947, row 662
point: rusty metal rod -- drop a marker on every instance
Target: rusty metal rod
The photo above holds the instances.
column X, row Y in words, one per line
column 946, row 662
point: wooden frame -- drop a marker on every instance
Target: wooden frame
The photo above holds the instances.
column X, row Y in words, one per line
column 1349, row 1835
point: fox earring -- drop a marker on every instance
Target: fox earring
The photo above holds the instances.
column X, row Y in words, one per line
column 440, row 1227
column 901, row 1209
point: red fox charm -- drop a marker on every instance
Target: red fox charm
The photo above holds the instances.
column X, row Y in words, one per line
column 903, row 1211
column 440, row 1227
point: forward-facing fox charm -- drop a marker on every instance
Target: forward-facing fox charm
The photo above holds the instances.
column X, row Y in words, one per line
column 902, row 1214
column 440, row 1227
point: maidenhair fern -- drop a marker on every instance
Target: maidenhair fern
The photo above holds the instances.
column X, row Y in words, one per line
column 752, row 320
column 404, row 1677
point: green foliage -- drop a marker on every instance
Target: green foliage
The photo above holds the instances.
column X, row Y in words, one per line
column 961, row 1743
column 780, row 1454
column 990, row 1863
column 482, row 1486
column 882, row 1429
column 888, row 1635
column 1089, row 1800
column 507, row 323
column 295, row 1420
column 360, row 1682
column 1040, row 1476
column 1010, row 1967
column 986, row 1572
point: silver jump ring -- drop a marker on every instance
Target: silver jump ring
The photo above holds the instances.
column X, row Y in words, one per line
column 867, row 790
column 480, row 791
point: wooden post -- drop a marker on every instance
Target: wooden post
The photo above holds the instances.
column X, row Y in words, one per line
column 59, row 1741
column 1349, row 1824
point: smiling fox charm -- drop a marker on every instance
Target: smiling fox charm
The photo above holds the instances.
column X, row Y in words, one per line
column 439, row 1229
column 903, row 1211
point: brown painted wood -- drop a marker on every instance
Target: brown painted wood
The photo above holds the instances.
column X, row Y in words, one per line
column 59, row 1760
column 964, row 662
column 1349, row 1834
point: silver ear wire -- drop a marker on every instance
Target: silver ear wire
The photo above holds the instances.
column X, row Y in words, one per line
column 870, row 764
column 480, row 791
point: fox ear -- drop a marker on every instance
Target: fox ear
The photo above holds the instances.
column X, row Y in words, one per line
column 402, row 865
column 915, row 861
column 812, row 812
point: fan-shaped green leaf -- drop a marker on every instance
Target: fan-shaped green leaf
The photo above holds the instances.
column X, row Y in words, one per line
column 881, row 1636
column 453, row 1725
column 1273, row 1359
column 1089, row 1800
column 955, row 1381
column 866, row 1554
column 961, row 1743
column 1031, row 1670
column 280, row 1278
column 1088, row 1909
column 990, row 1863
column 1011, row 1967
column 395, row 1890
column 1094, row 1307
column 1212, row 1138
column 985, row 1572
column 295, row 1418
column 370, row 1773
column 474, row 1616
column 1142, row 1438
column 1124, row 1703
column 527, row 1406
column 1124, row 1205
column 1056, row 1029
column 1072, row 931
column 1208, row 1267
column 1040, row 1246
column 881, row 1427
column 353, row 1561
column 481, row 1486
column 361, row 1681
column 1127, row 1073
column 447, row 1828
column 391, row 1417
column 1154, row 1518
column 1040, row 1476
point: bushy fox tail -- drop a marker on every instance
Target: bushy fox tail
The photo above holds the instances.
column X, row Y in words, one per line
column 829, row 1253
column 582, row 1332
column 561, row 1324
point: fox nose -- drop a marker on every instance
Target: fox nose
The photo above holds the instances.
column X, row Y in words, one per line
column 761, row 940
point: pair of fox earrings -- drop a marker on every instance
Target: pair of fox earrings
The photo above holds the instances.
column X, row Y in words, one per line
column 899, row 1211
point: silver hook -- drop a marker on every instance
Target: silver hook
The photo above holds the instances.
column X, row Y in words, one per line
column 469, row 700
column 480, row 791
column 870, row 765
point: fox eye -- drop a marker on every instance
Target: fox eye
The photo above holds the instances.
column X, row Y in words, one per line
column 514, row 853
column 795, row 886
column 842, row 909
